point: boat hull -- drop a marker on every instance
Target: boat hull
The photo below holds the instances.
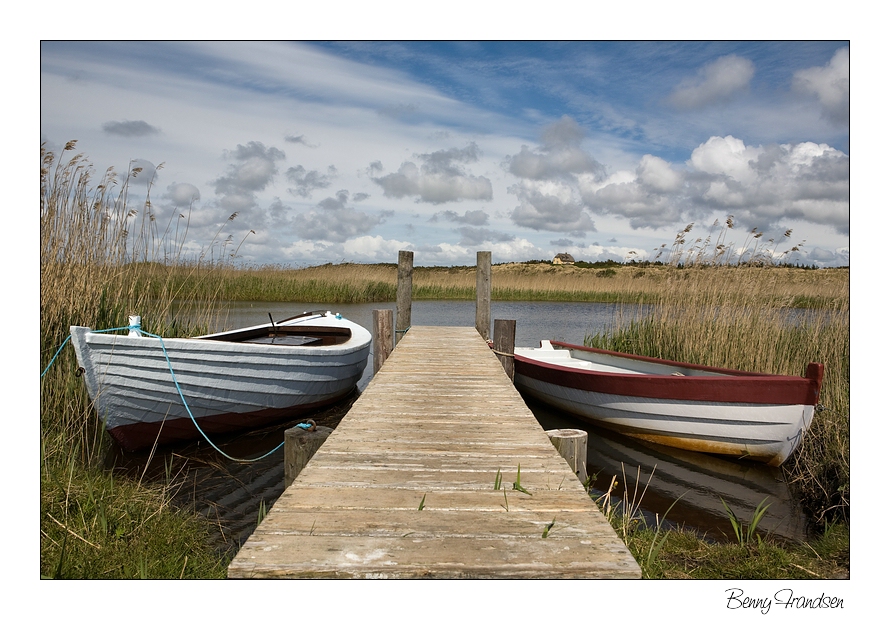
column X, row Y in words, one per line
column 227, row 385
column 753, row 416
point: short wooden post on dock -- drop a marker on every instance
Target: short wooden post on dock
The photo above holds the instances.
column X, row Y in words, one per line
column 299, row 447
column 572, row 445
column 483, row 294
column 403, row 294
column 382, row 333
column 504, row 342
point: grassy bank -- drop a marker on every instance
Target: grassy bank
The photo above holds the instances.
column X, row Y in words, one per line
column 536, row 281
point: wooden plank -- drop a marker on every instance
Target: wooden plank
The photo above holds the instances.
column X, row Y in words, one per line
column 405, row 486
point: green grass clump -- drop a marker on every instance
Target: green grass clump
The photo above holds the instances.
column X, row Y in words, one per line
column 688, row 555
column 93, row 525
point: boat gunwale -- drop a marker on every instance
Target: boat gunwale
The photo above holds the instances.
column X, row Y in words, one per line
column 725, row 386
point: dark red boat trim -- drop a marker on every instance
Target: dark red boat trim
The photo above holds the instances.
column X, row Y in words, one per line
column 141, row 435
column 736, row 387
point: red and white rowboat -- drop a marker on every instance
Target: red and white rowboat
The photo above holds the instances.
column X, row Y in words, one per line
column 762, row 417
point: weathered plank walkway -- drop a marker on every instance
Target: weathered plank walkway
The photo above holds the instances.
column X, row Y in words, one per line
column 432, row 430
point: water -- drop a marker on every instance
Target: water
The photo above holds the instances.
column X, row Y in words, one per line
column 558, row 321
column 688, row 486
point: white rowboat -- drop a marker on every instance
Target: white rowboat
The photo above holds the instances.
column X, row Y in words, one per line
column 231, row 380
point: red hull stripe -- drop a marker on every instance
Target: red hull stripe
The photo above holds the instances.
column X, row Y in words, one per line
column 736, row 387
column 140, row 435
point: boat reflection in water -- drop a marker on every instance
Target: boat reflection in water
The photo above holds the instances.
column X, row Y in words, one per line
column 695, row 481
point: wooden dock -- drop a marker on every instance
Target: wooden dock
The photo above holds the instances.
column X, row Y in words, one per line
column 405, row 486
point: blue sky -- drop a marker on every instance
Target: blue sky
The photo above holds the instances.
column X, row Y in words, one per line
column 352, row 151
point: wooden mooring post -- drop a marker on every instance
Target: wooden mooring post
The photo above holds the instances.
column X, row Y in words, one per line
column 299, row 447
column 483, row 294
column 403, row 294
column 382, row 335
column 504, row 342
column 572, row 445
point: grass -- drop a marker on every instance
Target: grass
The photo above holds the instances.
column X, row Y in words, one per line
column 685, row 554
column 541, row 281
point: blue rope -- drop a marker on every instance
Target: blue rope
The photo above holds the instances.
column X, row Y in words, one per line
column 302, row 425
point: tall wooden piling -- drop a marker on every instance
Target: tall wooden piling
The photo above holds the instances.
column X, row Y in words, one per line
column 504, row 342
column 483, row 294
column 382, row 335
column 403, row 294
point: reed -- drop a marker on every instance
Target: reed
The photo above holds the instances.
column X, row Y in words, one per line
column 741, row 322
column 103, row 257
column 537, row 281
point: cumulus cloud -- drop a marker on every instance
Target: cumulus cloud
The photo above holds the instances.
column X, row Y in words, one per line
column 374, row 248
column 559, row 155
column 253, row 168
column 761, row 186
column 308, row 181
column 717, row 82
column 831, row 86
column 470, row 217
column 550, row 174
column 440, row 178
column 334, row 221
column 478, row 235
column 557, row 209
column 142, row 172
column 182, row 194
column 130, row 128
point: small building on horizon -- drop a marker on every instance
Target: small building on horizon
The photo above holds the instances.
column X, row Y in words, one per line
column 563, row 259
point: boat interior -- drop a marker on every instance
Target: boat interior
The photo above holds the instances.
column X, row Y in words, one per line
column 287, row 336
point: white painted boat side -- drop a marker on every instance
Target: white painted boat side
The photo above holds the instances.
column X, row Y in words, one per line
column 726, row 428
column 129, row 379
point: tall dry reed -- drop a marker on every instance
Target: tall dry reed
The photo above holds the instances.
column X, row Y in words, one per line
column 102, row 258
column 743, row 322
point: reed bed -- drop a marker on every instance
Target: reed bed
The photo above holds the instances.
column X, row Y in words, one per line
column 98, row 264
column 741, row 323
column 353, row 283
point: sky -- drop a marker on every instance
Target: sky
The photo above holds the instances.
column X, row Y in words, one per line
column 301, row 153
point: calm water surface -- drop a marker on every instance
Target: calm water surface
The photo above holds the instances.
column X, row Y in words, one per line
column 655, row 478
column 559, row 321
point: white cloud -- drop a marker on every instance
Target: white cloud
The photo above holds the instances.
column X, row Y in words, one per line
column 182, row 194
column 762, row 186
column 717, row 82
column 332, row 220
column 831, row 86
column 374, row 248
column 560, row 154
column 439, row 179
column 725, row 156
column 656, row 175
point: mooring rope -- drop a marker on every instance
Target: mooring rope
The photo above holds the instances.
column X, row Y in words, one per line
column 137, row 327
